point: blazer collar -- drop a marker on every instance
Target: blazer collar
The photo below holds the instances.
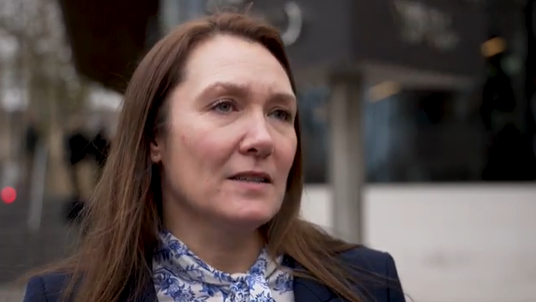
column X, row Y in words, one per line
column 308, row 290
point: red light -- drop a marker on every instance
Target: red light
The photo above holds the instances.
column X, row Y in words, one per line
column 8, row 195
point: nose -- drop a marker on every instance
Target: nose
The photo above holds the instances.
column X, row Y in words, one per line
column 257, row 141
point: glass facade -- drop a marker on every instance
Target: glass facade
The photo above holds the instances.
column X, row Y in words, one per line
column 312, row 103
column 484, row 132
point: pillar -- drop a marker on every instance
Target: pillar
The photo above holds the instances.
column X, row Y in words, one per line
column 346, row 164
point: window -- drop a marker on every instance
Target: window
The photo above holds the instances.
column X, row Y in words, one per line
column 312, row 103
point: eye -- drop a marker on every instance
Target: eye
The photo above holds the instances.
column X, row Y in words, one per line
column 282, row 114
column 224, row 106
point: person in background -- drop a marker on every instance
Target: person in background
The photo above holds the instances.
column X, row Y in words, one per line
column 79, row 147
column 31, row 140
column 100, row 146
column 76, row 146
column 200, row 196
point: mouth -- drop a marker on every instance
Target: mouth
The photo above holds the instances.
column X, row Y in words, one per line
column 253, row 177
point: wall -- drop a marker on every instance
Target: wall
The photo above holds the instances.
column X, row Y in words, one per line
column 463, row 243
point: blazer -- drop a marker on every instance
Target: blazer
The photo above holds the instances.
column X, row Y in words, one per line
column 384, row 285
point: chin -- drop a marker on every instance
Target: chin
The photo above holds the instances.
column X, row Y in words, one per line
column 250, row 219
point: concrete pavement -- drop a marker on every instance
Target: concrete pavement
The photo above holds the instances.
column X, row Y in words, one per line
column 22, row 250
column 11, row 294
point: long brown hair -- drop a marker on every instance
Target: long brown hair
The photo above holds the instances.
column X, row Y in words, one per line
column 124, row 214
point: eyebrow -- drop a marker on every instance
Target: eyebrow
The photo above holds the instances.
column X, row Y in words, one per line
column 242, row 90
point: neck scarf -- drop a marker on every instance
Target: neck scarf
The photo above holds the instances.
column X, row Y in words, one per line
column 180, row 276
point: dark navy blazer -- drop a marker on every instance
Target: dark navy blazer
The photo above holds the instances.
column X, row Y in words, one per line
column 383, row 284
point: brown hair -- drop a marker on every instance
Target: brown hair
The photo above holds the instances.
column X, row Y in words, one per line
column 124, row 214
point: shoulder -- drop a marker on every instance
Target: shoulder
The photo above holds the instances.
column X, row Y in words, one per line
column 377, row 272
column 368, row 259
column 46, row 288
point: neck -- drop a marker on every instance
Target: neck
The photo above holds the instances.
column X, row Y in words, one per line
column 227, row 250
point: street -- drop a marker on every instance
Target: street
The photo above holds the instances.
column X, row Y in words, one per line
column 11, row 294
column 22, row 250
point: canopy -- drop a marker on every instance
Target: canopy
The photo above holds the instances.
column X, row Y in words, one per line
column 109, row 37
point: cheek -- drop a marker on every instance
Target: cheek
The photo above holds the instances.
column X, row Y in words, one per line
column 287, row 153
column 189, row 163
column 201, row 150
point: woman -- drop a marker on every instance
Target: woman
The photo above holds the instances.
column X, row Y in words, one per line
column 200, row 197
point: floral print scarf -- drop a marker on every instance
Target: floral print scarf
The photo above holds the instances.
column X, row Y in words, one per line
column 180, row 276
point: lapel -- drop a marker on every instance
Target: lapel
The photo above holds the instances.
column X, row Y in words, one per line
column 305, row 290
column 147, row 294
column 308, row 290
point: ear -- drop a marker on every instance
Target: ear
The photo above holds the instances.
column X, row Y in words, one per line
column 156, row 149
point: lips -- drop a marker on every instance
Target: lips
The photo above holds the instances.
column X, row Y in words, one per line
column 254, row 177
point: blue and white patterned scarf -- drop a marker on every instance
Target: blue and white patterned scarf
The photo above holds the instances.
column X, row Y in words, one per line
column 180, row 276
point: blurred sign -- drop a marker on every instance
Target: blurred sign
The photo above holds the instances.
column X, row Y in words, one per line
column 316, row 32
column 419, row 23
column 436, row 35
column 294, row 17
column 287, row 16
column 430, row 35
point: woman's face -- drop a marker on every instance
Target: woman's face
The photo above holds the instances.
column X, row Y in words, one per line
column 231, row 140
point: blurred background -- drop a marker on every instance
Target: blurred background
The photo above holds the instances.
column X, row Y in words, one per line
column 417, row 116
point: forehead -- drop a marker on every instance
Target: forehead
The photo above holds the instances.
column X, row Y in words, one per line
column 231, row 59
